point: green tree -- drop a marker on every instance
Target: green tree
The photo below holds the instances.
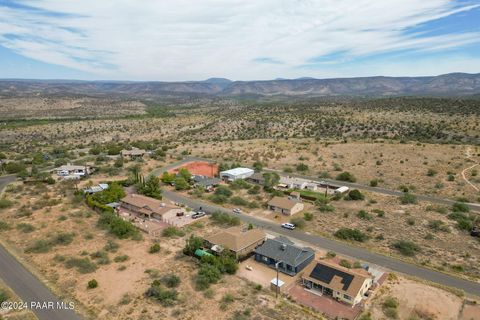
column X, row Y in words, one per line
column 185, row 174
column 167, row 178
column 271, row 179
column 151, row 187
column 193, row 243
column 181, row 184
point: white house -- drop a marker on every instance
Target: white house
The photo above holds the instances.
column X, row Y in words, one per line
column 73, row 170
column 237, row 173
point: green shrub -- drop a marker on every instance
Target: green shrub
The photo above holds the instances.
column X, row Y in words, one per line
column 362, row 214
column 298, row 222
column 92, row 284
column 171, row 232
column 101, row 257
column 171, row 280
column 193, row 243
column 223, row 218
column 408, row 198
column 3, row 296
column 307, row 216
column 25, row 227
column 374, row 183
column 166, row 297
column 154, row 248
column 5, row 203
column 351, row 234
column 354, row 194
column 223, row 191
column 238, row 201
column 121, row 258
column 83, row 265
column 460, row 207
column 345, row 263
column 346, row 176
column 4, row 226
column 407, row 248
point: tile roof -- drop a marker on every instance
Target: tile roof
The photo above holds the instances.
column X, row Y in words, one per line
column 235, row 239
column 281, row 202
column 147, row 205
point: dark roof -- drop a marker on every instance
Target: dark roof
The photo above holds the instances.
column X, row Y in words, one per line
column 206, row 181
column 326, row 273
column 283, row 249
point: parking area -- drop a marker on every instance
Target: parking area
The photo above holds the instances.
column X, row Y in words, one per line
column 180, row 220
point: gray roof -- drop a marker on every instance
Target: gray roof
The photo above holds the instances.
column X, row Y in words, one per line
column 206, row 181
column 289, row 254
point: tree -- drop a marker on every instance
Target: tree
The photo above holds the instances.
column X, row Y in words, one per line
column 354, row 194
column 181, row 184
column 151, row 187
column 271, row 179
column 193, row 243
column 223, row 191
column 185, row 174
column 167, row 178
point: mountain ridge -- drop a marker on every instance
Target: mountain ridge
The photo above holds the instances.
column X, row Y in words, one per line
column 451, row 84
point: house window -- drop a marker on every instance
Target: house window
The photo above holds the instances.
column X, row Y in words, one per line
column 347, row 297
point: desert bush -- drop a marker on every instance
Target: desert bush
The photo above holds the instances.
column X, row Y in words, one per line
column 408, row 198
column 154, row 248
column 407, row 248
column 121, row 258
column 223, row 218
column 5, row 203
column 346, row 176
column 351, row 234
column 171, row 232
column 92, row 284
column 354, row 194
column 83, row 265
column 298, row 222
column 362, row 214
column 166, row 297
column 25, row 227
column 307, row 216
column 171, row 280
column 239, row 201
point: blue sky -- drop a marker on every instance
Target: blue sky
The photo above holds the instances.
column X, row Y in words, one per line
column 241, row 40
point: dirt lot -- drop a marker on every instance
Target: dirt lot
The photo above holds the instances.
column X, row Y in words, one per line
column 418, row 301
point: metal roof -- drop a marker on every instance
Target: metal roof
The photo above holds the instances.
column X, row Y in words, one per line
column 237, row 171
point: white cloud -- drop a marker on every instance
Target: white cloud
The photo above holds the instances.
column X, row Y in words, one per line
column 178, row 40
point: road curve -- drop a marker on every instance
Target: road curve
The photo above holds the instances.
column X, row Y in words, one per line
column 27, row 286
column 339, row 247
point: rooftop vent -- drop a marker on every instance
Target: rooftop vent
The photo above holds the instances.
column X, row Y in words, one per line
column 283, row 247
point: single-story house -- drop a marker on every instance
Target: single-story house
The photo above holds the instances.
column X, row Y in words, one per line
column 134, row 153
column 95, row 189
column 285, row 205
column 146, row 207
column 73, row 170
column 240, row 242
column 291, row 259
column 343, row 284
column 256, row 178
column 297, row 183
column 206, row 182
column 237, row 173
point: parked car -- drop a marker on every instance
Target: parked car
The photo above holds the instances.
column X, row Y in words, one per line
column 289, row 226
column 198, row 214
column 237, row 210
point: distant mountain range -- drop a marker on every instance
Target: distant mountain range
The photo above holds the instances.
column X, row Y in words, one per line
column 453, row 84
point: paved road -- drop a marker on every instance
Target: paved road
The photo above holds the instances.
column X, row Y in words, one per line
column 26, row 285
column 339, row 247
column 432, row 199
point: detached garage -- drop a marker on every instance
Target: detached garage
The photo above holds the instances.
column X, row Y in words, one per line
column 237, row 173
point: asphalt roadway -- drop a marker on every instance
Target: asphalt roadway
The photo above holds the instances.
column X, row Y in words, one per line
column 338, row 247
column 39, row 299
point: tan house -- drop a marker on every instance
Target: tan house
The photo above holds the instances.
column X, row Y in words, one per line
column 146, row 207
column 239, row 242
column 342, row 284
column 133, row 154
column 285, row 206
